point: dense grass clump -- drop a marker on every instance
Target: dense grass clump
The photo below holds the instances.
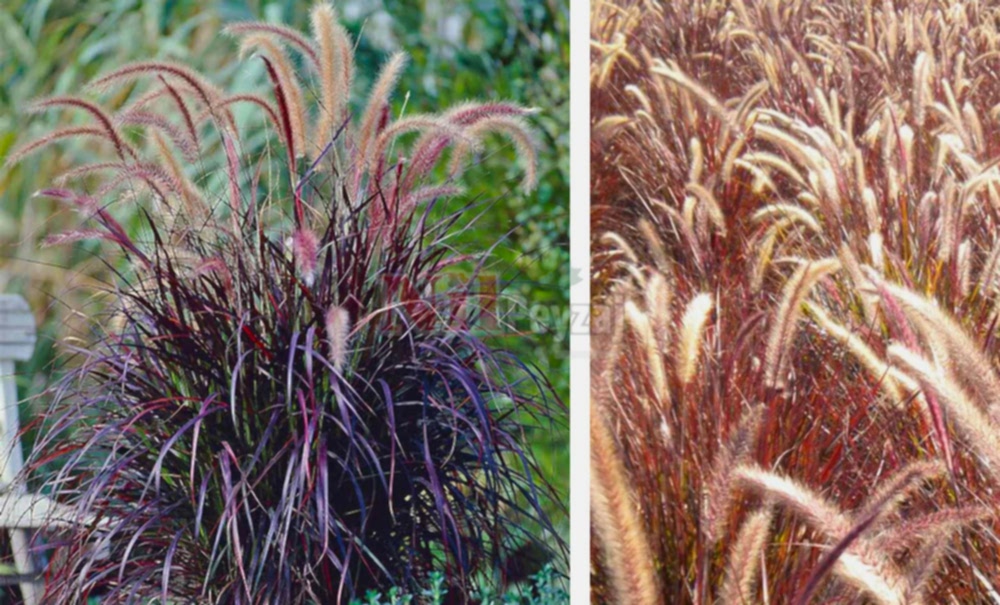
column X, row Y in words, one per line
column 796, row 265
column 289, row 400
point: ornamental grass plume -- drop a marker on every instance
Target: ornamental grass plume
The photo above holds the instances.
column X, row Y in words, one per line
column 826, row 172
column 744, row 560
column 289, row 399
column 617, row 528
column 691, row 335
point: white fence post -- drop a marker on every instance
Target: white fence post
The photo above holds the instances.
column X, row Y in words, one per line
column 17, row 343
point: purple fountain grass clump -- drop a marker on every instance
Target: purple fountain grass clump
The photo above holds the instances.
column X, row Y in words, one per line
column 286, row 403
column 219, row 428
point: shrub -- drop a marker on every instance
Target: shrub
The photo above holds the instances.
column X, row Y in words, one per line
column 823, row 174
column 545, row 588
column 290, row 398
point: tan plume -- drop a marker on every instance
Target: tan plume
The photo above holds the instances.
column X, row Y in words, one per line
column 786, row 320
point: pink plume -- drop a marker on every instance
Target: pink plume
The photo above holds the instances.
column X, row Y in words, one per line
column 338, row 333
column 306, row 248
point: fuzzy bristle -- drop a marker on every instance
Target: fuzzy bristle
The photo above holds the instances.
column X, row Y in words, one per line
column 690, row 344
column 745, row 557
column 105, row 121
column 288, row 82
column 338, row 334
column 786, row 319
column 335, row 69
column 378, row 102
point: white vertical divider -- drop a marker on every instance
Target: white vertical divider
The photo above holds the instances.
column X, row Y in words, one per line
column 579, row 252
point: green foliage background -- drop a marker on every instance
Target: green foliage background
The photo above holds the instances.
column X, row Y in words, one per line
column 479, row 49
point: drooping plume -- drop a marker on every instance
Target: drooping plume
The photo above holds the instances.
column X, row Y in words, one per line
column 378, row 102
column 745, row 557
column 786, row 319
column 288, row 83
